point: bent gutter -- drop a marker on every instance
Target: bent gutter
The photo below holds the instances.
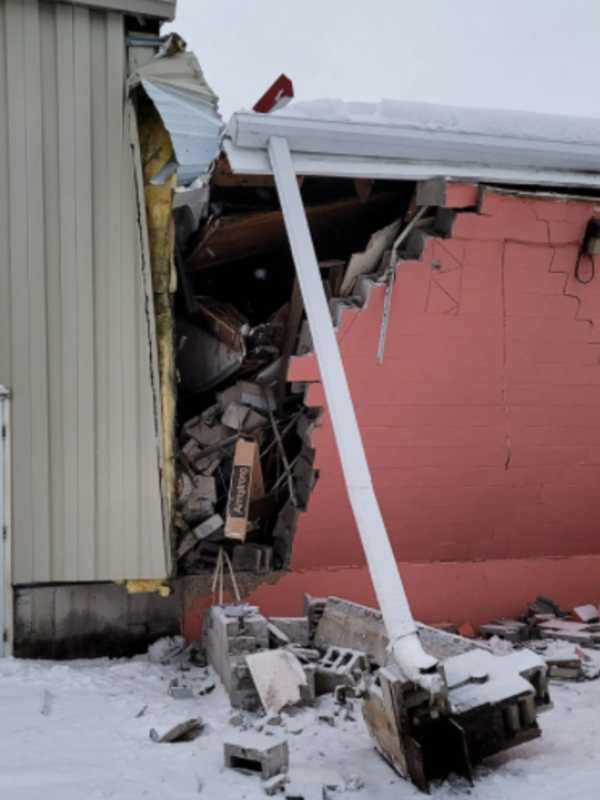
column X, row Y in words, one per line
column 391, row 596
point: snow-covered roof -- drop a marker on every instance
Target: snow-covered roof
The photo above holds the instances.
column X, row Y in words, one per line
column 400, row 139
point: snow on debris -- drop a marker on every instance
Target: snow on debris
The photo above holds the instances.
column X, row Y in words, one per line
column 91, row 741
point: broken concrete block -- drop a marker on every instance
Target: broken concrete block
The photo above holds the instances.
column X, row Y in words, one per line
column 180, row 691
column 197, row 504
column 586, row 614
column 278, row 676
column 248, row 394
column 188, row 542
column 569, row 631
column 313, row 609
column 189, row 425
column 207, row 435
column 254, row 422
column 295, row 628
column 566, row 669
column 235, row 415
column 204, row 486
column 206, row 465
column 275, row 784
column 191, row 450
column 352, row 626
column 306, row 655
column 184, row 732
column 544, row 605
column 242, row 645
column 308, row 693
column 256, row 558
column 339, row 666
column 208, row 527
column 510, row 629
column 276, row 637
column 256, row 625
column 184, row 487
column 252, row 753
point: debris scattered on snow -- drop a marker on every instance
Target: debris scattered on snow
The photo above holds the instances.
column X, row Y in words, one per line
column 184, row 732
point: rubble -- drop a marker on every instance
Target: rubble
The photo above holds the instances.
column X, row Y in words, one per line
column 184, row 732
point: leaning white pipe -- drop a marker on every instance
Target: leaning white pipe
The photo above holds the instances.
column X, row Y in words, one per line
column 397, row 616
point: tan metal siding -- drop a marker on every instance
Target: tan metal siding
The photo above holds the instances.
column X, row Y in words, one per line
column 74, row 335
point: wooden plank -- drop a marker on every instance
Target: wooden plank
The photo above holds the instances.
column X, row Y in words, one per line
column 240, row 236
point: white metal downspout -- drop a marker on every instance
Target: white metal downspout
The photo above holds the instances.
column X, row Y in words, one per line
column 5, row 527
column 397, row 616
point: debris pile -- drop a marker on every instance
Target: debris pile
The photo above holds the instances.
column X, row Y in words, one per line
column 244, row 461
column 245, row 473
column 560, row 637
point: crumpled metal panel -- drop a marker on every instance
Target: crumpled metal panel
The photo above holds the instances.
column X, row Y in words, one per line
column 188, row 108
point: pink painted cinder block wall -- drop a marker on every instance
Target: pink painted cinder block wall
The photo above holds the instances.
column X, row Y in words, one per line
column 481, row 427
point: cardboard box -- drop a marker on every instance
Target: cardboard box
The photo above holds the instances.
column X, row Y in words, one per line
column 246, row 484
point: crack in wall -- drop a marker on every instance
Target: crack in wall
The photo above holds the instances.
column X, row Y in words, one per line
column 507, row 421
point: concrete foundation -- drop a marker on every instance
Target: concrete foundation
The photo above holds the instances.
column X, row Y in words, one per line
column 90, row 620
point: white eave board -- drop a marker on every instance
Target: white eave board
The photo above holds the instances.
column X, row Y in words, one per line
column 162, row 9
column 561, row 152
column 255, row 162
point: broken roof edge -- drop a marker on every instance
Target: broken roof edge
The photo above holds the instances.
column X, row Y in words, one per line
column 390, row 150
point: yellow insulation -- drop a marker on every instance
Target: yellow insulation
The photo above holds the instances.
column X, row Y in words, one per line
column 157, row 151
column 143, row 586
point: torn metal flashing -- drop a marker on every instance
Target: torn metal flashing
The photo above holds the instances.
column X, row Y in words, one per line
column 188, row 107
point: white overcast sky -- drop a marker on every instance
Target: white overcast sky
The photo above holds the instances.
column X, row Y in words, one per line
column 540, row 55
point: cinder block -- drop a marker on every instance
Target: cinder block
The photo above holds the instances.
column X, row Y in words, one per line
column 339, row 667
column 240, row 645
column 254, row 558
column 249, row 753
column 308, row 693
column 208, row 527
column 354, row 627
column 256, row 625
column 295, row 628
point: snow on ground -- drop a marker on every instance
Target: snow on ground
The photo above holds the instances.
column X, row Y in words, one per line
column 69, row 731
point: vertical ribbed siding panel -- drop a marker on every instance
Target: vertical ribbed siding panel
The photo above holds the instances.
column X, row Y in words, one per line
column 74, row 344
column 5, row 292
column 101, row 211
column 66, row 551
column 115, row 433
column 86, row 517
column 52, row 253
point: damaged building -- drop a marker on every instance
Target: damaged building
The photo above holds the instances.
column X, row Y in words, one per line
column 165, row 417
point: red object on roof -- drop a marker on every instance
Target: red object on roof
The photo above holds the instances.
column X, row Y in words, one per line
column 277, row 96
